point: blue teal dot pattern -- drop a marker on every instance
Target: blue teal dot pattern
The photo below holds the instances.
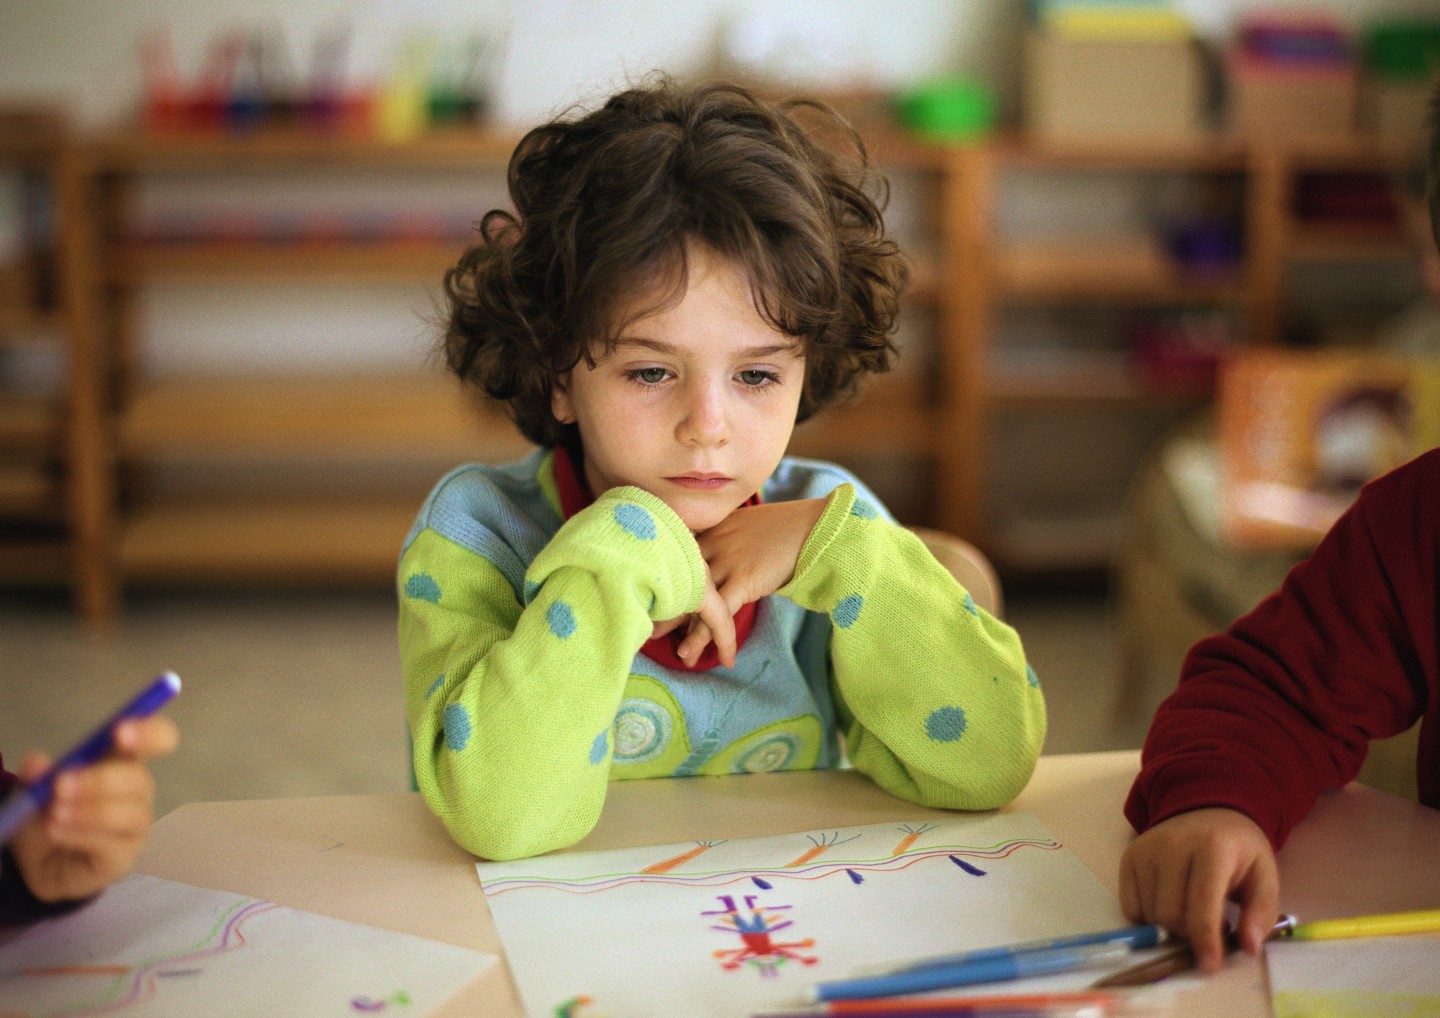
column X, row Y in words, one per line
column 1031, row 677
column 863, row 510
column 600, row 747
column 531, row 589
column 435, row 685
column 970, row 605
column 457, row 727
column 561, row 619
column 946, row 724
column 848, row 610
column 635, row 521
column 422, row 587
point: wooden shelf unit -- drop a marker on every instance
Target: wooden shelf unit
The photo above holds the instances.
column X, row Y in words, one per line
column 50, row 470
column 943, row 416
column 258, row 537
column 988, row 274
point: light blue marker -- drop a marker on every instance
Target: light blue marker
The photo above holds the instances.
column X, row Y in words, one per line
column 1136, row 937
column 996, row 969
column 25, row 800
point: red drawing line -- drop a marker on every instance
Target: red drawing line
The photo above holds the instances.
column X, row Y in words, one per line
column 77, row 970
column 723, row 877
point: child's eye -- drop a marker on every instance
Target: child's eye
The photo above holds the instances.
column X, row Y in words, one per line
column 756, row 378
column 648, row 376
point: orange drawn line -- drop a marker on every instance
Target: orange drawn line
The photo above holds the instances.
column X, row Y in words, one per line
column 78, row 970
column 806, row 856
column 669, row 864
column 906, row 842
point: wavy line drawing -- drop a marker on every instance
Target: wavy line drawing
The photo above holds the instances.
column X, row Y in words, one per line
column 815, row 871
column 123, row 993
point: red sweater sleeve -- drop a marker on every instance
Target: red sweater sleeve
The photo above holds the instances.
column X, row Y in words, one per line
column 1282, row 705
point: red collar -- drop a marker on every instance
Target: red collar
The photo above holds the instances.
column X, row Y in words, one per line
column 575, row 495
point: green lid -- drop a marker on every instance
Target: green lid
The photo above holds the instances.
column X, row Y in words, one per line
column 1404, row 49
column 948, row 110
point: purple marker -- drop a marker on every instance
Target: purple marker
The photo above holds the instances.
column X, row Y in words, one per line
column 27, row 799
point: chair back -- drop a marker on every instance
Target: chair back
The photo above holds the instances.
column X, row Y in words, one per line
column 968, row 565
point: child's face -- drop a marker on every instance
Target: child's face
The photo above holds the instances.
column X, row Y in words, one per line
column 696, row 402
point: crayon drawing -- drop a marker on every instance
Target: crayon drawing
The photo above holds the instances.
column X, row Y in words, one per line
column 746, row 925
column 152, row 947
column 1367, row 977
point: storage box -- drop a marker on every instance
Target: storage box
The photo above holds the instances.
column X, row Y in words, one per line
column 1083, row 87
column 1268, row 100
column 1301, row 431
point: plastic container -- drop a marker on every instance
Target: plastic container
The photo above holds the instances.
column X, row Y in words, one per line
column 948, row 110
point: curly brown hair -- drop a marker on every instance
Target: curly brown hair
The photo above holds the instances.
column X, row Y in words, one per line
column 604, row 205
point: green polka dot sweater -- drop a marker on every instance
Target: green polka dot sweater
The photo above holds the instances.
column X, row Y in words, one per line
column 526, row 694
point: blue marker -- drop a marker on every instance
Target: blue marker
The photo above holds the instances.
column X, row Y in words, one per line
column 1136, row 937
column 27, row 799
column 995, row 969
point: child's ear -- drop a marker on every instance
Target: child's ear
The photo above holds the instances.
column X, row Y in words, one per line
column 560, row 406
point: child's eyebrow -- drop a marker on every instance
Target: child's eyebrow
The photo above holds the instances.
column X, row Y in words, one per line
column 666, row 348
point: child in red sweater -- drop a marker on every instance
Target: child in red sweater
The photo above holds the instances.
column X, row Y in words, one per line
column 1283, row 705
column 92, row 830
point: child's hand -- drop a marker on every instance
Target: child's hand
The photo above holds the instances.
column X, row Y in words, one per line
column 1180, row 872
column 750, row 553
column 92, row 831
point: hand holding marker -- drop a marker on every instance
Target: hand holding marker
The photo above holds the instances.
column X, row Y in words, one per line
column 28, row 799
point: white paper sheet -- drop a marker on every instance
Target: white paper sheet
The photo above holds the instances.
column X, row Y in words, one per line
column 734, row 927
column 1364, row 977
column 153, row 947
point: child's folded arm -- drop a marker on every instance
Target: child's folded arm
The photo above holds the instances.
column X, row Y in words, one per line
column 941, row 706
column 511, row 695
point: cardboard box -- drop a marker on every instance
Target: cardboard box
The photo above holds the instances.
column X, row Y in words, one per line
column 1268, row 100
column 1301, row 431
column 1083, row 87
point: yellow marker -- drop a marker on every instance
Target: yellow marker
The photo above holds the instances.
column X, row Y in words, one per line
column 1368, row 926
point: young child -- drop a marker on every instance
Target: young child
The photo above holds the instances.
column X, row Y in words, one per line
column 91, row 832
column 1283, row 705
column 658, row 591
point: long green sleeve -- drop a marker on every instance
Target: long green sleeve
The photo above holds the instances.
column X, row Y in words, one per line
column 936, row 702
column 511, row 704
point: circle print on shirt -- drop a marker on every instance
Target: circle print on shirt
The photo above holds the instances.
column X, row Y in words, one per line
column 649, row 731
column 642, row 730
column 789, row 745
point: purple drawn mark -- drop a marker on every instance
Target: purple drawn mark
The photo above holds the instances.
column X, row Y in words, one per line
column 974, row 871
column 854, row 877
column 370, row 1006
column 763, row 885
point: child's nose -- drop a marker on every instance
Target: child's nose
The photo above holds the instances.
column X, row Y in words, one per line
column 705, row 420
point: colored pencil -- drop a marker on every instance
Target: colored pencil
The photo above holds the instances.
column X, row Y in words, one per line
column 1368, row 926
column 1084, row 1002
column 987, row 970
column 1138, row 937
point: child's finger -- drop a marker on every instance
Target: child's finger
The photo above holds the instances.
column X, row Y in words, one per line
column 34, row 765
column 1204, row 909
column 697, row 638
column 147, row 738
column 88, row 795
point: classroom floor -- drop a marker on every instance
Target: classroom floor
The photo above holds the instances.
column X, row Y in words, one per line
column 297, row 693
